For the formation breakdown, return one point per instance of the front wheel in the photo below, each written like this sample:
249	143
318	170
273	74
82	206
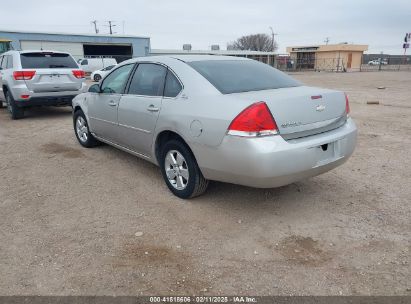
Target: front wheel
180	170
82	131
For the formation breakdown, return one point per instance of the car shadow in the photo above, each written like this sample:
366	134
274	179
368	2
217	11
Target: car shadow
47	112
302	194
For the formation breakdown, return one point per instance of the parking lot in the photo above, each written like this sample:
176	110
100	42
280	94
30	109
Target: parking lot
78	221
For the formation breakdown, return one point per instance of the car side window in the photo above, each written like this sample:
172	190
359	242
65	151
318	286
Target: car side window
1	59
9	62
173	86
148	80
116	81
84	62
4	62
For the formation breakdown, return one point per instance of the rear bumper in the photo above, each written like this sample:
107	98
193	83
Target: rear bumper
44	98
269	162
46	101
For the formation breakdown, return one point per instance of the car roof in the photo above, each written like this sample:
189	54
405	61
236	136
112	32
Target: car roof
187	58
42	51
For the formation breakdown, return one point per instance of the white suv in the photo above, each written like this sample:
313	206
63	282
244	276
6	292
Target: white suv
38	78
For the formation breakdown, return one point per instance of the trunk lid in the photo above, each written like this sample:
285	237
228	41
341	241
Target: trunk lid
302	111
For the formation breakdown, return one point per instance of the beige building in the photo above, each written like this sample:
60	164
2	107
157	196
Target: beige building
330	57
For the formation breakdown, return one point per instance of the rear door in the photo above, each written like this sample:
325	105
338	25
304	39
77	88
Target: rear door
139	108
5	73
102	107
54	72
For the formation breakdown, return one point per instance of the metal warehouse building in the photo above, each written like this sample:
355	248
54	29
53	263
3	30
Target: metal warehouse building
81	45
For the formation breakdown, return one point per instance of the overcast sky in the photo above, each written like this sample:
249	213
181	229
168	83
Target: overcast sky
171	23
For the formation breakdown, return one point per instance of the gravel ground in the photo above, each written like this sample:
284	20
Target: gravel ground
77	221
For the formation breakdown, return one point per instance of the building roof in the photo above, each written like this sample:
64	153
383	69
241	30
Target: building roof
72	34
328	48
209	52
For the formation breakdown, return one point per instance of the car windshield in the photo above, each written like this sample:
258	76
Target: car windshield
44	60
234	76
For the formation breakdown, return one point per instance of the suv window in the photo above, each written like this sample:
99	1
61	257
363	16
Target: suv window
84	62
115	82
44	60
4	62
234	76
148	80
9	62
173	86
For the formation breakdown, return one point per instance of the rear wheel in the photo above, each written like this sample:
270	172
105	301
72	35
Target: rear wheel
82	131
15	111
180	170
97	78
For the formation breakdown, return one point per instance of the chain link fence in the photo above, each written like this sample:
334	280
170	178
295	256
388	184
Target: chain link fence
367	63
385	63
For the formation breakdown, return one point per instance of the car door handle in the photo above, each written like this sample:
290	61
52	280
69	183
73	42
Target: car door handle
152	108
112	103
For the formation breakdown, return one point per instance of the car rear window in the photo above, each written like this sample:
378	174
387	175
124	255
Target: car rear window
43	60
234	76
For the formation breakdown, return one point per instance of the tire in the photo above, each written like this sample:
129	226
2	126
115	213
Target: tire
97	77
15	111
174	170
82	131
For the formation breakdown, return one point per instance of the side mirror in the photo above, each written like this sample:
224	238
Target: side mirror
95	88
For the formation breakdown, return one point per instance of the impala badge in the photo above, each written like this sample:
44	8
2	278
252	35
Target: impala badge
320	108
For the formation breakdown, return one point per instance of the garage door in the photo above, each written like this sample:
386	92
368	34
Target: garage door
75	49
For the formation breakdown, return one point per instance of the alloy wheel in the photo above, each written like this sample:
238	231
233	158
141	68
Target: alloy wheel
81	129
176	169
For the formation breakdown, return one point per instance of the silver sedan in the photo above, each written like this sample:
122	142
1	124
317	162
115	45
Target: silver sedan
220	118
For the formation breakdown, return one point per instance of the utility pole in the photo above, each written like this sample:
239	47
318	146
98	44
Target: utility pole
95	26
111	25
272	38
327	39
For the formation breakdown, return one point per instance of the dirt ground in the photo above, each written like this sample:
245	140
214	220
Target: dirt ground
71	218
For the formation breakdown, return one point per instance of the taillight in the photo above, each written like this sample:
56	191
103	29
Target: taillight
256	120
23	75
79	74
347	105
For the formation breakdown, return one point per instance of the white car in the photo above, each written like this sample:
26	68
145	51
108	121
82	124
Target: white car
377	62
89	65
99	74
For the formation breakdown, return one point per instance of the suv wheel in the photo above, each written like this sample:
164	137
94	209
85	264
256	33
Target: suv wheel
97	78
84	137
180	170
15	111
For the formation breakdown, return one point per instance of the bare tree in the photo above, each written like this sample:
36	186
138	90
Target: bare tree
255	42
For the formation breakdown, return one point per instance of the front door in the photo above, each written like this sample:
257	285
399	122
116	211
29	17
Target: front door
103	106
139	108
